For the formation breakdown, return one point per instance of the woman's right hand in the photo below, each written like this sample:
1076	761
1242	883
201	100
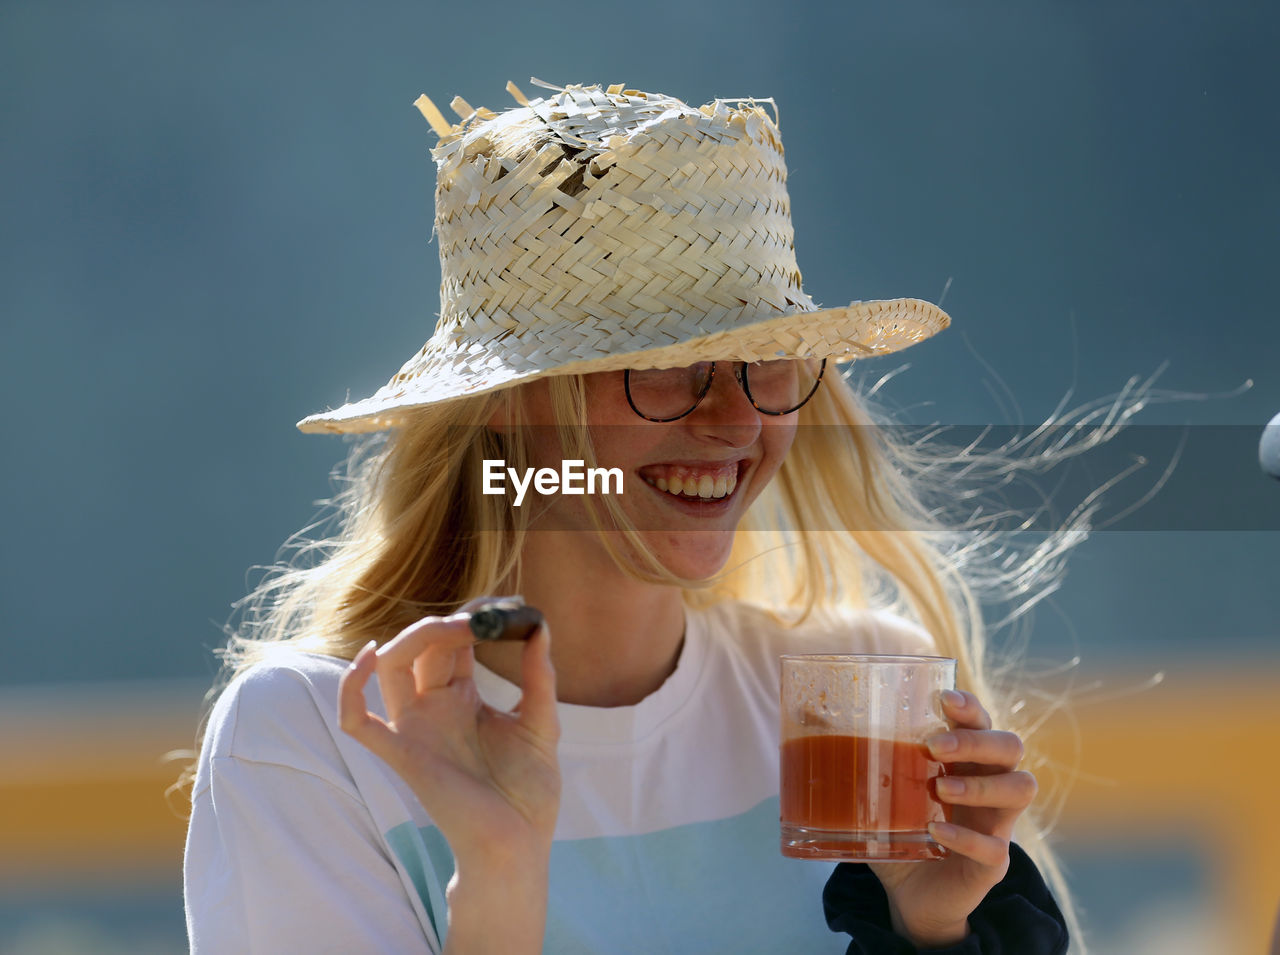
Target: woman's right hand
490	780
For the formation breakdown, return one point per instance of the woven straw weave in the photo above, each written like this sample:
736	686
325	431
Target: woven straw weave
604	229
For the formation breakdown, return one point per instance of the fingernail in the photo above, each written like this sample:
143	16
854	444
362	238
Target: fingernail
950	787
953	698
946	743
942	830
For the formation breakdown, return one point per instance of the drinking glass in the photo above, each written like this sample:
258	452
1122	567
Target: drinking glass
856	777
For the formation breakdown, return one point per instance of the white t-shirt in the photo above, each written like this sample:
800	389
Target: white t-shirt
667	839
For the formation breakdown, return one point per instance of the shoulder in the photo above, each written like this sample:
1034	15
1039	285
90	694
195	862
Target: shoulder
282	710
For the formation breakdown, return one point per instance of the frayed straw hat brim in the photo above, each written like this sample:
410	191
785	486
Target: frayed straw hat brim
858	330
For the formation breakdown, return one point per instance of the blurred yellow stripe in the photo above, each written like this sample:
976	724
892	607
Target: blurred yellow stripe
83	778
90	828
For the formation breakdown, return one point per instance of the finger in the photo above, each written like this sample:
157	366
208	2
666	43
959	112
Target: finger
439	665
963	709
464	658
1002	791
397	677
985	850
353	714
997	748
351	703
537	706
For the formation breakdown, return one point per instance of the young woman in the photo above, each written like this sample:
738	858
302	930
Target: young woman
619	292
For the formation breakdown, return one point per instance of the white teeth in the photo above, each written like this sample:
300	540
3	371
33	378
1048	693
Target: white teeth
703	486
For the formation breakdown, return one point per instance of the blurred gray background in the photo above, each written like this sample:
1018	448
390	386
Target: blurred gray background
216	220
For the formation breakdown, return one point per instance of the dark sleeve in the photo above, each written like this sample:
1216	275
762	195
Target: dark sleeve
1017	917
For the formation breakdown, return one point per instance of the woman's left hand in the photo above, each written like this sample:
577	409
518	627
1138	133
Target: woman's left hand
930	902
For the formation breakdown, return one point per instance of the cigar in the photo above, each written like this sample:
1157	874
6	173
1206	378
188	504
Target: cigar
505	620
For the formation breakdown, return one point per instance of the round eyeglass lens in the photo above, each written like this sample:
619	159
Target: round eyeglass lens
665	394
783	385
775	387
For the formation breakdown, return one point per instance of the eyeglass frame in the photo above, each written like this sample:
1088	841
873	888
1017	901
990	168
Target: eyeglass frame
739	372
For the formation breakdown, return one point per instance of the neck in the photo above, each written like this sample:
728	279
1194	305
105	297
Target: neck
614	640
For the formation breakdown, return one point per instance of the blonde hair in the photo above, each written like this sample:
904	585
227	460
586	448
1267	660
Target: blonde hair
844	524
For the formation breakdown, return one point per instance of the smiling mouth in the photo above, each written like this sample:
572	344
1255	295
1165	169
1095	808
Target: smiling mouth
695	482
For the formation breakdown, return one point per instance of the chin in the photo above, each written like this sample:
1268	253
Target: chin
694	555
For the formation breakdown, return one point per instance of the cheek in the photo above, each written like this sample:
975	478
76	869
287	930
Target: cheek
778	439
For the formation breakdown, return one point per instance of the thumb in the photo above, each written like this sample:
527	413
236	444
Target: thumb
537	706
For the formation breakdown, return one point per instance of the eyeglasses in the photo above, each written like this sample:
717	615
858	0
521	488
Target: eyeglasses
773	387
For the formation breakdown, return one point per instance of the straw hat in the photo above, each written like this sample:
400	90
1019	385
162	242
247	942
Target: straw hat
601	229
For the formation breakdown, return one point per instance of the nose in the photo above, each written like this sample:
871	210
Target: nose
726	414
